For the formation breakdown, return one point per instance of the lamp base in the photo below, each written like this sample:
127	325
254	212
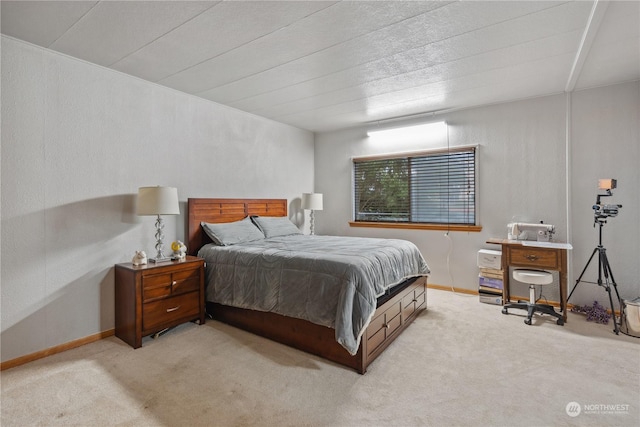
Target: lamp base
159	259
312	223
160	256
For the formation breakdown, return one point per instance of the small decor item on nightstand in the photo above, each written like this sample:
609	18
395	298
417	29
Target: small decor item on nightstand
179	250
140	258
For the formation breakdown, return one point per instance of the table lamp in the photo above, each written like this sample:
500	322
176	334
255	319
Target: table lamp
312	202
158	201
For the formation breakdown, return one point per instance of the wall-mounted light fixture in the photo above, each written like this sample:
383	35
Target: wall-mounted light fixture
425	132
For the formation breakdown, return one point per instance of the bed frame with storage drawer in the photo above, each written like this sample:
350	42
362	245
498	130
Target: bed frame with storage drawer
394	313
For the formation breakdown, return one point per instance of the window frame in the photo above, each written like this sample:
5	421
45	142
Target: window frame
476	227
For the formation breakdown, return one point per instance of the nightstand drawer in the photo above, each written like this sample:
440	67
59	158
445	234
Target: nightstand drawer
164	311
186	281
156	286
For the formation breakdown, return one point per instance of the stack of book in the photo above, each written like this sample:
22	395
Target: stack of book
490	286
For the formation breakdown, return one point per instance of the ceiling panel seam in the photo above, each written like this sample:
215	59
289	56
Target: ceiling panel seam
73	25
244	44
164	34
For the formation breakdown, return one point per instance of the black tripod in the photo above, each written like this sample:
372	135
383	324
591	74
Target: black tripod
603	269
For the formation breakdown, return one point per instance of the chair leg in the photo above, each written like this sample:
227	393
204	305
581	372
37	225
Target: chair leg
519	305
547	309
530	310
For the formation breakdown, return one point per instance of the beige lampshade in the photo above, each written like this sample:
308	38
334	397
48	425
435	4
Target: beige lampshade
312	201
158	201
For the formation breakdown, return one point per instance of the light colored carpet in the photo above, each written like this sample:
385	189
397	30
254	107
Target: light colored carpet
461	363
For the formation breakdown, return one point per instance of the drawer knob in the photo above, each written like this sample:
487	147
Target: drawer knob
532	257
386	325
174	283
169	310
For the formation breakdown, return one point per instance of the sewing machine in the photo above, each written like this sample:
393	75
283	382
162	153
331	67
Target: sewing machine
526	231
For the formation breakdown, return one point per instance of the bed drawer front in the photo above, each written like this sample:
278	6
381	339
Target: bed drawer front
413	301
383	326
382	320
169	310
391	318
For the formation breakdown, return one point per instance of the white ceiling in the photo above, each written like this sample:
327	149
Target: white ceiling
324	65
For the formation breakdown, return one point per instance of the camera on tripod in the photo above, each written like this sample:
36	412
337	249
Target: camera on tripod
603	211
605	275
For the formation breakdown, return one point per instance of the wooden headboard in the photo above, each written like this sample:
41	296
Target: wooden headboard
225	210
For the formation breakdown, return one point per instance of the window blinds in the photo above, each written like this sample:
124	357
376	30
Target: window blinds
430	187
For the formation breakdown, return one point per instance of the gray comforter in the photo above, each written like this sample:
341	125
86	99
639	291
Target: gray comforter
327	280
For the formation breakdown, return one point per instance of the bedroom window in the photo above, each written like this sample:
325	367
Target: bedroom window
427	188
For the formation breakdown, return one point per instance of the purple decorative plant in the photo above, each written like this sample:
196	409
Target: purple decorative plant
596	313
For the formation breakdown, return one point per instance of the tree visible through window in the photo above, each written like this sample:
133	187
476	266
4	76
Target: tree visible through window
435	187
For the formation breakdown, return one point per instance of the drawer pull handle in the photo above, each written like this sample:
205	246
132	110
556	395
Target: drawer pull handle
414	300
169	310
174	283
532	257
386	325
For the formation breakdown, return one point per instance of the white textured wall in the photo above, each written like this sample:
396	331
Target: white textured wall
77	142
606	144
522	175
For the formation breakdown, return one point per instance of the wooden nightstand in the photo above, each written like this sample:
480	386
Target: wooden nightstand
153	297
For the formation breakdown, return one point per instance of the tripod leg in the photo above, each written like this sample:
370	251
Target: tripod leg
607	272
582	274
613	313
